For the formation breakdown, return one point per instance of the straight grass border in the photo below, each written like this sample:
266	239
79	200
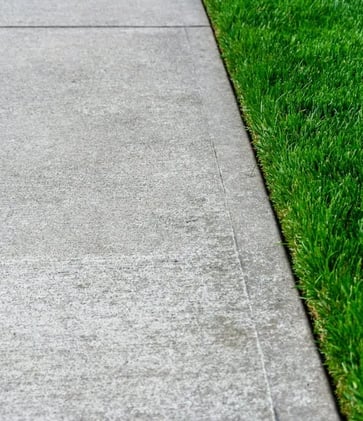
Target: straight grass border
230	26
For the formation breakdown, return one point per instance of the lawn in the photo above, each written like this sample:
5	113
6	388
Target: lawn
297	69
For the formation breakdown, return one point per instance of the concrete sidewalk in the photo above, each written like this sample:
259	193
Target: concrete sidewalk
142	276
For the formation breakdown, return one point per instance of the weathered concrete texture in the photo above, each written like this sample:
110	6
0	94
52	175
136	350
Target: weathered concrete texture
121	292
102	12
139	337
106	148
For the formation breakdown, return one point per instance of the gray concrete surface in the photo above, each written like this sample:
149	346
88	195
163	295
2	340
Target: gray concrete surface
141	271
102	12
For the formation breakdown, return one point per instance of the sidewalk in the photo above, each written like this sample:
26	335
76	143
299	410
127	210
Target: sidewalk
142	276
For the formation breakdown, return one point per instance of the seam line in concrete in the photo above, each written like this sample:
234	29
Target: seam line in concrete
101	26
234	237
240	262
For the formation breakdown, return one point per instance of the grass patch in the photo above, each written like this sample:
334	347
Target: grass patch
297	67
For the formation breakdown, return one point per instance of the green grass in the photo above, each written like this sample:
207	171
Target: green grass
297	67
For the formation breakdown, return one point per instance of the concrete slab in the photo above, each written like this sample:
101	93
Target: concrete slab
139	337
105	145
121	291
102	12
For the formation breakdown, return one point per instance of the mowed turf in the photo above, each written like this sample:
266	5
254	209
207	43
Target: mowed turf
297	67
